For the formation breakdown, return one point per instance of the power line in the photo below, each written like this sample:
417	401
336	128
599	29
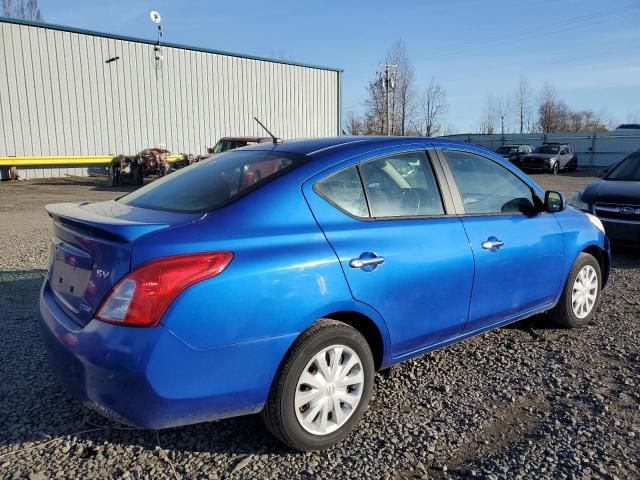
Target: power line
575	23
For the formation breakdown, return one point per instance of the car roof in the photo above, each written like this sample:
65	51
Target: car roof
516	145
316	146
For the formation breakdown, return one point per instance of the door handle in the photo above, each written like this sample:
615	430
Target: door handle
365	262
493	244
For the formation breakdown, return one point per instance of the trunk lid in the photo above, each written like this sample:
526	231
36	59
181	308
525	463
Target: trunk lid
91	249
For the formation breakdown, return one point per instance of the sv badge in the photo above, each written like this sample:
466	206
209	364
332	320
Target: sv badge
104	274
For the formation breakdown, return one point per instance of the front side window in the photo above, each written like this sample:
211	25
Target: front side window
548	149
212	183
507	150
401	185
488	188
344	190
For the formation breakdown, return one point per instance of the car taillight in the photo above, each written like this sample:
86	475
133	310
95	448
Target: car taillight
142	296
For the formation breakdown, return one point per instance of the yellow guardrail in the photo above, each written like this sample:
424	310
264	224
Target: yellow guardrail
54	161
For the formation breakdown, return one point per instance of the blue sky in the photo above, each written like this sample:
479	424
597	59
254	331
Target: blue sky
589	50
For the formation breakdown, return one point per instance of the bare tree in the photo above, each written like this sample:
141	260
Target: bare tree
633	117
375	117
22	9
587	121
354	125
488	120
402	98
553	114
434	107
450	130
523	104
503	108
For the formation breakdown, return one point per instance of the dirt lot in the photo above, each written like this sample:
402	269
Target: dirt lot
529	401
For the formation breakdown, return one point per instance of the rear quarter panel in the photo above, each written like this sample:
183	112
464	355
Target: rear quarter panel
284	275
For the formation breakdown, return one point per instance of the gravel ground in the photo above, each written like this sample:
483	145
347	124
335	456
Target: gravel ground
526	401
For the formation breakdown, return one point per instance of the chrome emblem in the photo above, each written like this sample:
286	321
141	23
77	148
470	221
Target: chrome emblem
626	210
103	274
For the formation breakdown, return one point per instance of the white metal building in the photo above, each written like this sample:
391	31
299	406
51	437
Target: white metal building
69	92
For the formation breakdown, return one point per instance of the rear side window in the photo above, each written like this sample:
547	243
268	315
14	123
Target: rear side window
213	183
344	190
402	185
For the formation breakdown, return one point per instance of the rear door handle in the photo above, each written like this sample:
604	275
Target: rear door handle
366	260
493	244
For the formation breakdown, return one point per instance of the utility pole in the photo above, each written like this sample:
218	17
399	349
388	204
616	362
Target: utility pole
389	83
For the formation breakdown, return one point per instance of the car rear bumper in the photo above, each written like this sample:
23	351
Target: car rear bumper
149	378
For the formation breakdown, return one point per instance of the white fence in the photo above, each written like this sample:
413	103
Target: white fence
597	149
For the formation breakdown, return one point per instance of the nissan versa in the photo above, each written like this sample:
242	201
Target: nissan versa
211	293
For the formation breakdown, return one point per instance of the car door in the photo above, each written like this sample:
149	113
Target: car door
571	155
518	250
401	247
563	157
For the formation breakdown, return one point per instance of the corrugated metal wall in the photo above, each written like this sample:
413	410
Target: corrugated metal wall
59	97
597	149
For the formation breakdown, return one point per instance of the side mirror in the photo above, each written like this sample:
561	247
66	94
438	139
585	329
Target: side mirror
210	150
554	202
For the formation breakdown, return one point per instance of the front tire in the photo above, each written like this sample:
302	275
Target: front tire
322	387
555	168
581	294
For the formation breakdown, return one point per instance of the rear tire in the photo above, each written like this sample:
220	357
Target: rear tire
556	168
581	294
340	396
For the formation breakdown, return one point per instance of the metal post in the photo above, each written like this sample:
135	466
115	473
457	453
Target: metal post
389	85
386	83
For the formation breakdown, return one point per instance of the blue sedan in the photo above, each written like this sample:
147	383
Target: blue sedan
215	291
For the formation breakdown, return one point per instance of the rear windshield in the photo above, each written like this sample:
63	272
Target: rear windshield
548	149
627	170
212	183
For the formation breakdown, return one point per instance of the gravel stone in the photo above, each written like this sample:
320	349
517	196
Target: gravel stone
526	401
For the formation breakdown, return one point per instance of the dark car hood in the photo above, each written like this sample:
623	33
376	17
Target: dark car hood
539	156
612	191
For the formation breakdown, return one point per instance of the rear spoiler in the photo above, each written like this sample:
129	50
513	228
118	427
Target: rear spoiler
104	220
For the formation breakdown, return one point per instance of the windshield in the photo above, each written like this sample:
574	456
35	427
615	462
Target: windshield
212	183
627	170
548	149
507	150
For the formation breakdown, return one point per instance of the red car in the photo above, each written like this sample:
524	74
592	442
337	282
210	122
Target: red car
229	143
258	170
